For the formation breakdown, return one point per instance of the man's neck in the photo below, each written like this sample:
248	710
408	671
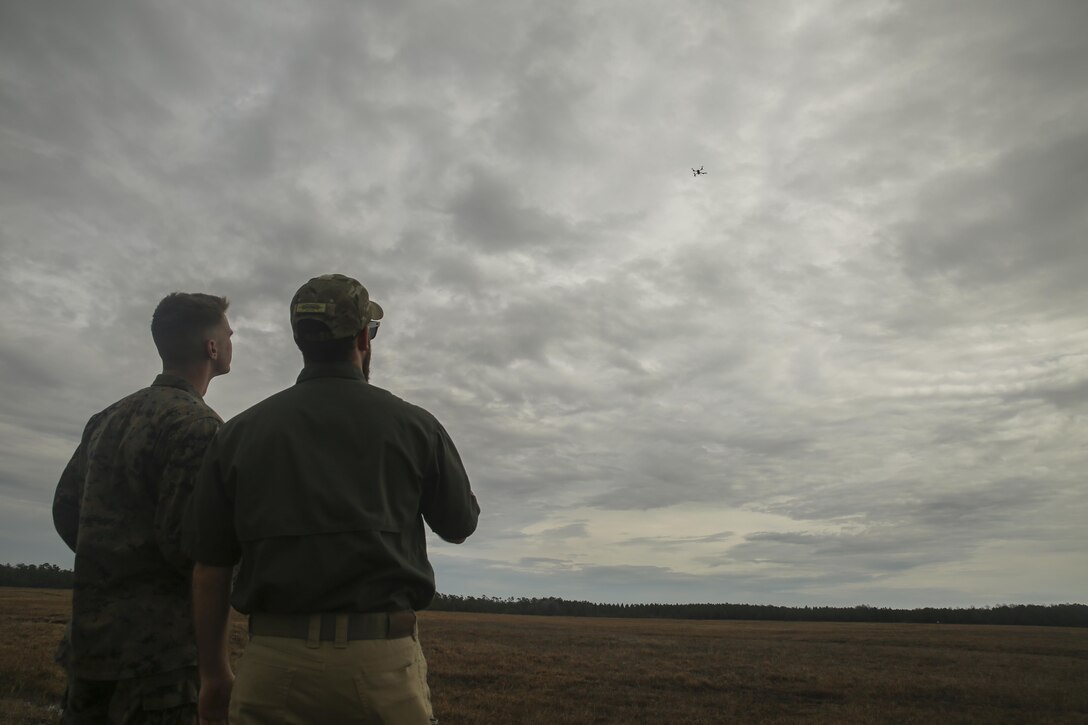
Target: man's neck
199	376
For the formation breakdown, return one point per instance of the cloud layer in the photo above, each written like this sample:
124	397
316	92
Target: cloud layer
848	365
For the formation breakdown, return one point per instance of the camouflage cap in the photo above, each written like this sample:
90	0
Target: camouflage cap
340	303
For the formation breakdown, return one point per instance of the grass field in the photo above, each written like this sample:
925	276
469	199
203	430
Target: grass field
557	670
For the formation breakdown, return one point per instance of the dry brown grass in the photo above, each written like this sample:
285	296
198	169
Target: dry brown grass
516	669
31	623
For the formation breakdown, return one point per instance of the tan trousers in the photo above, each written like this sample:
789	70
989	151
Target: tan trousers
283	681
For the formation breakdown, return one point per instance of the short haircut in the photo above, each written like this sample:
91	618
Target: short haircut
323	351
181	324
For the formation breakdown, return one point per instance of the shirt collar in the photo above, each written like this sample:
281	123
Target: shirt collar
330	370
173	381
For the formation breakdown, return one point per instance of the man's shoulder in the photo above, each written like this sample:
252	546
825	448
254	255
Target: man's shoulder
156	406
287	401
165	396
176	405
132	399
274	406
123	408
402	406
279	399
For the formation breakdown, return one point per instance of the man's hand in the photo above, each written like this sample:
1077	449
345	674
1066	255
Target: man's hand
215	698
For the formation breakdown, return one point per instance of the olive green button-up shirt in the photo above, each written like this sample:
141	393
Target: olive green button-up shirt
321	492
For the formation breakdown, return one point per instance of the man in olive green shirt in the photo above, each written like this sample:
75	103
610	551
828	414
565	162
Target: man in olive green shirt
119	505
321	492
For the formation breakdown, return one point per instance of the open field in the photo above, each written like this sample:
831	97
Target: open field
556	670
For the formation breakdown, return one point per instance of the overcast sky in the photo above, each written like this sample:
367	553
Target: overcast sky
848	365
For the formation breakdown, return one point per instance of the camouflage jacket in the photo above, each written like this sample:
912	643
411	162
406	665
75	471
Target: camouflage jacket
119	506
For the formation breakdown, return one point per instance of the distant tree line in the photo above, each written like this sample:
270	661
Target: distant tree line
1052	615
43	576
51	576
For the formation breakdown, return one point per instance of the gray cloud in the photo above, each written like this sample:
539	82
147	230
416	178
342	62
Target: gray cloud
674	541
561	532
488	214
859	340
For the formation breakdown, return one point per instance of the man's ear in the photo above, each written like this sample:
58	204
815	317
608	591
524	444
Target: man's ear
211	351
362	341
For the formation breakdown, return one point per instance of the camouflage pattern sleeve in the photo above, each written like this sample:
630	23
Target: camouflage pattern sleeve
185	450
69	493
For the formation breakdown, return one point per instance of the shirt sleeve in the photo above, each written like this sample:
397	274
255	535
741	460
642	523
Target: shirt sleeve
449	507
210	537
183	452
69	493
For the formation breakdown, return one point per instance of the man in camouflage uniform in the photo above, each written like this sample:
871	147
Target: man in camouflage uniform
322	492
129	649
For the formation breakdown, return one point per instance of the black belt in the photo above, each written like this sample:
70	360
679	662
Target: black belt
337	628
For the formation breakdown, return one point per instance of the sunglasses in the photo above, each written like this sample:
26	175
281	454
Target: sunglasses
372	328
